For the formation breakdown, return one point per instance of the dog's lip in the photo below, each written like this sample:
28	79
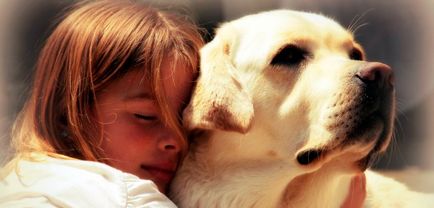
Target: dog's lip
367	161
309	156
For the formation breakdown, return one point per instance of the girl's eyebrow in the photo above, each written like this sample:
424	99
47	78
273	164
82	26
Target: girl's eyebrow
139	96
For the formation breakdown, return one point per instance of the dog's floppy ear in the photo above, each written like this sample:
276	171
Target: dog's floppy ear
219	100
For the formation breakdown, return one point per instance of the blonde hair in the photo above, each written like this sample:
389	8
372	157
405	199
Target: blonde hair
96	43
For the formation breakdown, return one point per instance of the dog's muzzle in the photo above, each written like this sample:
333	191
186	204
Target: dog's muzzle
375	102
362	113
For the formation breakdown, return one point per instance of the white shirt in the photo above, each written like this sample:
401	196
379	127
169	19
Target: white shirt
56	182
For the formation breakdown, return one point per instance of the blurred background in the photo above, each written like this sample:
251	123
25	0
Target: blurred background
397	32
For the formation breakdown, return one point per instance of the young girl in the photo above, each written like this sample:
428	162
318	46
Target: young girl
102	125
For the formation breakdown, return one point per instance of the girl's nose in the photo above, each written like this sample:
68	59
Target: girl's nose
170	142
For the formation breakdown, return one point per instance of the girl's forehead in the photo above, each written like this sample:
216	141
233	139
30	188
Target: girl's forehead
138	83
131	84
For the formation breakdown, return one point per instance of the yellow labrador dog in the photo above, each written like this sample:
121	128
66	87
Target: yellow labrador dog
286	111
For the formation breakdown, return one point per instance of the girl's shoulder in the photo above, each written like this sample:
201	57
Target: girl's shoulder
76	183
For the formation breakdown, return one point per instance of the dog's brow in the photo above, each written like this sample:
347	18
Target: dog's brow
301	42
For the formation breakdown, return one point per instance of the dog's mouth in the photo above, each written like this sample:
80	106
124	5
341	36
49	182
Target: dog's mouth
366	140
360	122
309	156
361	146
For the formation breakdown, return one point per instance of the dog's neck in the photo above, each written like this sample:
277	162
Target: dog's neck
214	184
322	188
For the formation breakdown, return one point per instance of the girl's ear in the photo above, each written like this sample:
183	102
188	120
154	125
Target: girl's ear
219	100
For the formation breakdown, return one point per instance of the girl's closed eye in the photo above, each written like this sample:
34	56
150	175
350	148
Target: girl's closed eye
143	117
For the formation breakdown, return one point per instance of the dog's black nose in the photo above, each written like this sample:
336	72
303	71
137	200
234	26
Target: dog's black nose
376	74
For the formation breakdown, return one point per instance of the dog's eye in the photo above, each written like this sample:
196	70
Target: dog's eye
356	54
291	56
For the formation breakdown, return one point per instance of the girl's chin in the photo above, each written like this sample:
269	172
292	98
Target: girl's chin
160	178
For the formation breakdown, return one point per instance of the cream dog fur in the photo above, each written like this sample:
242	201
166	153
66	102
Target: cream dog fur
286	110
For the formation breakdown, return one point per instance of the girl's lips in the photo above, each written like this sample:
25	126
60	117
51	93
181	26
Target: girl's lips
160	173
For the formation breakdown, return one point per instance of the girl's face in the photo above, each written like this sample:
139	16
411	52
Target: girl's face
135	138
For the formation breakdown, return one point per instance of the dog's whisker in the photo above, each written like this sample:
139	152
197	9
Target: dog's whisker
358	27
354	24
357	18
394	147
398	132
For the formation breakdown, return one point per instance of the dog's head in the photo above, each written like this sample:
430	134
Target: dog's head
296	87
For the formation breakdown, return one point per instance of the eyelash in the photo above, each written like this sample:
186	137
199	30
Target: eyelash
145	117
291	56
